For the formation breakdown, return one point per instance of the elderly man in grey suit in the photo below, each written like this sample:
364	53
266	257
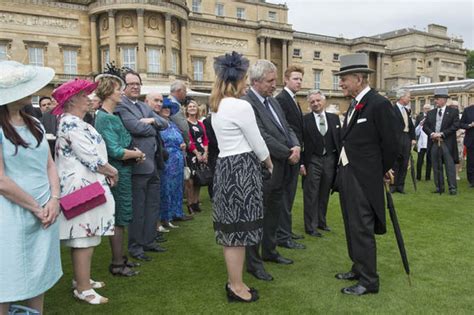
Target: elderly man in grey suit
178	96
284	150
144	125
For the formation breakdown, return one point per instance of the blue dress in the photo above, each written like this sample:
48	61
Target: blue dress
172	175
30	261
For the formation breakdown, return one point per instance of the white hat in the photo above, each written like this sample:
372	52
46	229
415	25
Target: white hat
18	80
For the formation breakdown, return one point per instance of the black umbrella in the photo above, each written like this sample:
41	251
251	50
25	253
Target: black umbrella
398	232
412	171
440	166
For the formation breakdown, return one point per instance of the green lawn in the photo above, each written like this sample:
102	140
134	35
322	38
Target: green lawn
190	276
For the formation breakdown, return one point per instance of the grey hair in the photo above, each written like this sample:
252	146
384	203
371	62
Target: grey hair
312	92
177	85
401	93
258	70
69	104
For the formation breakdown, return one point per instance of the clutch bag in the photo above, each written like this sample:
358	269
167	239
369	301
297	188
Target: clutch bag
82	200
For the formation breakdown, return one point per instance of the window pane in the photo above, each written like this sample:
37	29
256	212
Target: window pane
3	52
154	64
105	57
70	61
196	6
335	82
240	13
129	57
35	56
219	9
317	80
174	62
198	65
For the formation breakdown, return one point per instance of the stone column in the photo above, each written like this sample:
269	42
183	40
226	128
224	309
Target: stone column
378	84
268	53
112	39
262	47
436	67
141	41
290	52
284	54
413	68
184	48
94	40
168	50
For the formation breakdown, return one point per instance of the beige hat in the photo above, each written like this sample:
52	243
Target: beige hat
354	63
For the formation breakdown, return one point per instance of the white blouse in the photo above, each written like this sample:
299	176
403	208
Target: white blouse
236	129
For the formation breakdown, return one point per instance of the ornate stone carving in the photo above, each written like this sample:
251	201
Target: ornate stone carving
154	22
16	20
174	26
218	42
104	23
127	21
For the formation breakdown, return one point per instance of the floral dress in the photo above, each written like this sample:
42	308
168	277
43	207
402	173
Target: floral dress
80	150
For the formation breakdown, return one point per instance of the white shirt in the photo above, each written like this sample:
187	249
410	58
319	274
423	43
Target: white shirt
293	96
422	142
318	117
404	113
236	129
262	99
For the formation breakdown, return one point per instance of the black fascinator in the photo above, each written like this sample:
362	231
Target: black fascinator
112	71
231	67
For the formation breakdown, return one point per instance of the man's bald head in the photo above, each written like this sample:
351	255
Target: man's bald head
154	100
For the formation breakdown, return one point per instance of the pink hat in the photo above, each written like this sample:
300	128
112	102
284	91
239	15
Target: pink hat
67	90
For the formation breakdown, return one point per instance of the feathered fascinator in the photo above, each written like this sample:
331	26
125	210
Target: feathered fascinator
112	71
231	67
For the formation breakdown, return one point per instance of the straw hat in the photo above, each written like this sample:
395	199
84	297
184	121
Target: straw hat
354	63
18	80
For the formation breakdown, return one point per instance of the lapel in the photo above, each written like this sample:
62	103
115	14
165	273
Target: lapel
263	112
313	129
132	108
399	115
355	116
332	123
295	107
446	117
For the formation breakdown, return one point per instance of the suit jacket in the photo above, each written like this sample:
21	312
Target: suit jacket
292	112
50	123
466	119
275	138
419	118
371	149
449	126
314	139
401	123
144	135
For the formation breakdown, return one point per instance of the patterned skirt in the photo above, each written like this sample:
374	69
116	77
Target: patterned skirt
238	200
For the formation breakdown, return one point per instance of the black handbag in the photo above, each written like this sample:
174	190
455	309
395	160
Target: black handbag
202	175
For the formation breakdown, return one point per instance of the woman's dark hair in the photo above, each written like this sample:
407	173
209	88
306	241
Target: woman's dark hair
10	133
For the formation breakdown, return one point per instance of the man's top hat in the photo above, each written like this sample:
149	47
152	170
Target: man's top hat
441	93
354	63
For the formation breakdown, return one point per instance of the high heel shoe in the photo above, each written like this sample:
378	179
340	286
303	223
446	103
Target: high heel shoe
232	297
196	207
190	209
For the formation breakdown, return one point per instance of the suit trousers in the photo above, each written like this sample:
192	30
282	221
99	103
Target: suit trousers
291	184
440	155
359	222
419	164
273	204
146	208
317	185
401	163
470	164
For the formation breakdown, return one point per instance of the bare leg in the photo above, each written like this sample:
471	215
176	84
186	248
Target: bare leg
4	308
234	259
36	303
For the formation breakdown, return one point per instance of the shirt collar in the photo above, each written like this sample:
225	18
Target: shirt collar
260	98
290	92
323	113
362	94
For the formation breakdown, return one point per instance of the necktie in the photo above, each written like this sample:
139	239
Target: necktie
267	106
322	125
351	106
440	113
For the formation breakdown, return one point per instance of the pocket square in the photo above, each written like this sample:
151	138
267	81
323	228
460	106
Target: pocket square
361	120
337	126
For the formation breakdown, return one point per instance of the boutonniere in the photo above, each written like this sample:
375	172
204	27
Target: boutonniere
359	106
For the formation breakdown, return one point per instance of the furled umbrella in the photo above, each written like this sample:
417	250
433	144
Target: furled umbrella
412	171
440	167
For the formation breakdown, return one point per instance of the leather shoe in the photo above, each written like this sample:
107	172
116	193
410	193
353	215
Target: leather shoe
314	233
142	257
160	238
261	275
157	249
325	228
347	276
279	260
297	236
358	290
438	192
290	244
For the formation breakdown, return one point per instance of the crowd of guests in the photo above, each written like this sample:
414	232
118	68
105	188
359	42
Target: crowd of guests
102	133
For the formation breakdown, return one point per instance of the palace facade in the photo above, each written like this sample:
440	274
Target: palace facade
166	40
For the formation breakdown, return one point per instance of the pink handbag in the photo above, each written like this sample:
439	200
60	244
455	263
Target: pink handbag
82	200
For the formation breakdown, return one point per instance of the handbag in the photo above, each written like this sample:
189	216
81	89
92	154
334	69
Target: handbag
82	200
187	173
202	175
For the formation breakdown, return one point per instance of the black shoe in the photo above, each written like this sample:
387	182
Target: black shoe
196	207
314	233
347	276
290	244
160	238
251	290
324	228
142	257
232	297
358	290
157	249
401	192
279	260
261	275
122	270
297	236
437	191
130	264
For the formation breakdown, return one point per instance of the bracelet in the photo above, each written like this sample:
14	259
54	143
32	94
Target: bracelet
55	197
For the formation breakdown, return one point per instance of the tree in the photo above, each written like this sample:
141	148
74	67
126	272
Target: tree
470	64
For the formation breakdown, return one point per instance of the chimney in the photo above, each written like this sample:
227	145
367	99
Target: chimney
436	29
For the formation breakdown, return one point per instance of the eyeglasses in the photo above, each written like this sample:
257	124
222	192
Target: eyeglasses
134	84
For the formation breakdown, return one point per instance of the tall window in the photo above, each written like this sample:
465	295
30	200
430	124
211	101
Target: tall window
335	82
3	52
198	69
241	13
174	62
272	16
105	56
70	61
154	60
317	79
129	57
196	6
219	9
35	56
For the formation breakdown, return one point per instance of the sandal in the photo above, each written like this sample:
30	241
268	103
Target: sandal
130	264
94	284
88	294
122	270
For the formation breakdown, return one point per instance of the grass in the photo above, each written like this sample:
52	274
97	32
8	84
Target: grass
189	278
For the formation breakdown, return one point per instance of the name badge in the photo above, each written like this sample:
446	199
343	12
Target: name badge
361	120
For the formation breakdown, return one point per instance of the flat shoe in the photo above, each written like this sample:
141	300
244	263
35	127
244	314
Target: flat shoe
94	284
84	295
121	270
162	229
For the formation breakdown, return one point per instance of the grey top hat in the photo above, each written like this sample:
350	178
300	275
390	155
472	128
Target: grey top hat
441	92
18	80
354	63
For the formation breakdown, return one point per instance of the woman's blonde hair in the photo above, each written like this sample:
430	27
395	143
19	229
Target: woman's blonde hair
197	106
222	89
106	87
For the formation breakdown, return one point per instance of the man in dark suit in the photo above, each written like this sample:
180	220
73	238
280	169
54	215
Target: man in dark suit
422	144
369	148
143	124
441	125
407	139
287	100
467	123
322	132
284	151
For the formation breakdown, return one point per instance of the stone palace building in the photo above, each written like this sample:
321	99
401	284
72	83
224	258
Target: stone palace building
166	40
